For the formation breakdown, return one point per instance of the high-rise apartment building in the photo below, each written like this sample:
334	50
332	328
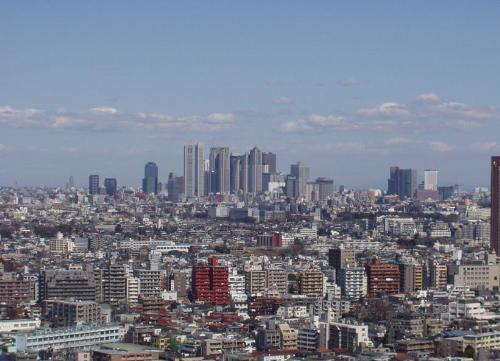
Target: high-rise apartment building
210	283
194	170
352	282
255	171
150	180
382	278
431	180
93	184
341	258
76	284
495	205
411	277
311	283
219	170
110	185
402	182
111	283
301	174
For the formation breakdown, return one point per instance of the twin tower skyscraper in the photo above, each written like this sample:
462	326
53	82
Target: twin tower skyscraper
224	173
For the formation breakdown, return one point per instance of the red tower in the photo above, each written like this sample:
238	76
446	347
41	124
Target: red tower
210	283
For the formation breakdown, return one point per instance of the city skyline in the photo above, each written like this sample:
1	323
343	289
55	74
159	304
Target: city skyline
383	88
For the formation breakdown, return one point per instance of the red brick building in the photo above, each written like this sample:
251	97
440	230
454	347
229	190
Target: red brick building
210	283
382	277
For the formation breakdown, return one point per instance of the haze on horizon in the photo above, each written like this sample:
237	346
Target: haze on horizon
348	88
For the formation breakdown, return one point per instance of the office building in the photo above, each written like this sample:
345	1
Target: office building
325	188
269	162
194	170
210	283
402	182
301	174
291	187
219	170
110	186
93	184
239	174
495	205
60	284
431	180
68	338
173	188
255	171
150	180
383	278
65	313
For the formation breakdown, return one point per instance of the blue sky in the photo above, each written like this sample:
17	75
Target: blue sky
349	88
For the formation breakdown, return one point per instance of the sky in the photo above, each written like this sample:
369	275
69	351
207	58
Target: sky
349	88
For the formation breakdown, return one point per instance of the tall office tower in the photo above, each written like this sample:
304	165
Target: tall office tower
325	188
431	180
111	185
210	283
94	184
269	162
150	180
402	182
219	170
173	188
255	171
239	173
194	170
71	182
495	205
301	174
382	278
291	187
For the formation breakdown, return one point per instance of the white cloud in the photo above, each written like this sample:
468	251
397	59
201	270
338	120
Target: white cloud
326	120
441	147
484	147
388	109
283	100
295	126
110	119
398	141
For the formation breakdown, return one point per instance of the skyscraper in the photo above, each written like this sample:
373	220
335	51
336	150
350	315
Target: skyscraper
93	184
402	182
325	188
173	188
255	171
194	171
150	180
239	173
431	179
301	174
269	162
111	185
219	170
495	205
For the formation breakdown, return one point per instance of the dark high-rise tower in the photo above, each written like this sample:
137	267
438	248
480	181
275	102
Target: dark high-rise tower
150	180
219	170
255	171
402	182
110	184
495	205
194	170
94	184
269	162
